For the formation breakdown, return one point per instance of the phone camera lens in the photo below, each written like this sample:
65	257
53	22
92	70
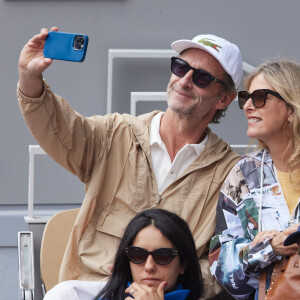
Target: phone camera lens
78	42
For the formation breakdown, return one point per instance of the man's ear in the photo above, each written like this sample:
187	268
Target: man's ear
225	100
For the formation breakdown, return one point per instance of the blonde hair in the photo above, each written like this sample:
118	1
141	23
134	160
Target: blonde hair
284	75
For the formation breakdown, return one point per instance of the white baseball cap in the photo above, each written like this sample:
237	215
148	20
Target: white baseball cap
228	54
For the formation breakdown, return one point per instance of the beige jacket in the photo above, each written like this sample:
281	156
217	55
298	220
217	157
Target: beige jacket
111	155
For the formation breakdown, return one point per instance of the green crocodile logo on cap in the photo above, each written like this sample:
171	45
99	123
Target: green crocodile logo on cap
206	42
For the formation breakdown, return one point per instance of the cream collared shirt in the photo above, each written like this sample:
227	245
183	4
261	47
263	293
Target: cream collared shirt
165	171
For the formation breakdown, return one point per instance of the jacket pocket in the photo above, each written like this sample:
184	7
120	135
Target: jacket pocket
114	223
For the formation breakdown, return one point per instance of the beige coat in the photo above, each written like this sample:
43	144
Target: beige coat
111	155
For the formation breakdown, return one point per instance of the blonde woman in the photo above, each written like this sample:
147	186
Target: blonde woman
258	204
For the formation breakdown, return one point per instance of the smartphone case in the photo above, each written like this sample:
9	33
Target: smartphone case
60	45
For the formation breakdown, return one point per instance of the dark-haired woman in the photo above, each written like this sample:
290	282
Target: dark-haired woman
156	259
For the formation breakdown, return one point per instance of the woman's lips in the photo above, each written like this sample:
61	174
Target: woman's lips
252	120
150	281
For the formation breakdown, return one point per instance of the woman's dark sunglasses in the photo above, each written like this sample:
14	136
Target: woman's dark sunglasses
258	97
161	256
201	78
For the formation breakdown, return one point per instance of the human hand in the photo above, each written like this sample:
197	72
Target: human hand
277	242
261	236
31	58
145	292
32	64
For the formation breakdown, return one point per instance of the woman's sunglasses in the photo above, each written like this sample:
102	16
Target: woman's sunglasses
161	256
201	78
258	97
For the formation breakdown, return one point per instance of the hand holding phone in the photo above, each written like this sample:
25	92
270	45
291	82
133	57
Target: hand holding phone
66	46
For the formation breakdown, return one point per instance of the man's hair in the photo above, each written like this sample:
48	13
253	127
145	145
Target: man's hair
283	75
177	231
228	87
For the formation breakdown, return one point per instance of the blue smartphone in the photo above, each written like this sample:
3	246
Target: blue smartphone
66	46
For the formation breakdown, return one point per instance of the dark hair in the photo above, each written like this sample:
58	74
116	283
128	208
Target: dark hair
229	87
177	231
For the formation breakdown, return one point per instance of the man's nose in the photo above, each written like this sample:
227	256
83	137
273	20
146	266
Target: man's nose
187	79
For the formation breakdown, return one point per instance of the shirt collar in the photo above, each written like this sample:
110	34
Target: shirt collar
154	131
156	139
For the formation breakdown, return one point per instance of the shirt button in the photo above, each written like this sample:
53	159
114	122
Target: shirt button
174	174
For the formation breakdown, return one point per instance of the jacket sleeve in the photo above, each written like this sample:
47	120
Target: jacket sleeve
233	261
69	138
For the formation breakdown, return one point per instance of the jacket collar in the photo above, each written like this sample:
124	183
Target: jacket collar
258	155
214	150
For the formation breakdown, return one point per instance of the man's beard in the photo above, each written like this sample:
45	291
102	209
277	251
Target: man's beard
194	110
181	109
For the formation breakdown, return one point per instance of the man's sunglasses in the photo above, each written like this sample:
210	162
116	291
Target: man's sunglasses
201	78
161	256
258	97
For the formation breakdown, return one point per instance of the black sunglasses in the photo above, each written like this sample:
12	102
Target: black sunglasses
161	256
201	78
258	97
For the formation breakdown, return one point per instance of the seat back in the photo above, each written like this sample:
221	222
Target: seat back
53	245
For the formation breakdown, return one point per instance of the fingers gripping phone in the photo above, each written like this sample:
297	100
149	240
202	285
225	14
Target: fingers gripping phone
66	46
